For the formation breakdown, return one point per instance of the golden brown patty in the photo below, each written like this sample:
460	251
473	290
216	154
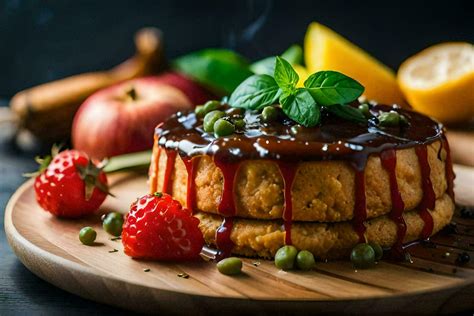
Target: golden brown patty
326	241
322	190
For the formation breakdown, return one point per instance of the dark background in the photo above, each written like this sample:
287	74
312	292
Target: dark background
46	40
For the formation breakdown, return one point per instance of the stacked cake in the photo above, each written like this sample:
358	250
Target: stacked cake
323	188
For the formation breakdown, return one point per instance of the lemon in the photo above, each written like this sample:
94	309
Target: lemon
324	49
439	81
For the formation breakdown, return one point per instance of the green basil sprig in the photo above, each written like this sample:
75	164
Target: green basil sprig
329	89
255	93
332	87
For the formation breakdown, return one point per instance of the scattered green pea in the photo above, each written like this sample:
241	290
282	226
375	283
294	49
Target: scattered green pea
305	260
230	266
199	110
377	249
391	118
223	128
365	109
269	114
363	256
113	223
87	235
210	119
285	257
239	123
211	106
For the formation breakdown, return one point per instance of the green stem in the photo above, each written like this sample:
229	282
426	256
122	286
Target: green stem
138	160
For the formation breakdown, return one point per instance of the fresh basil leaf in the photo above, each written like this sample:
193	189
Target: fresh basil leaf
347	112
301	107
255	93
285	76
332	87
220	70
294	55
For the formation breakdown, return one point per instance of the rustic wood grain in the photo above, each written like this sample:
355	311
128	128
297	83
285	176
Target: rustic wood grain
50	248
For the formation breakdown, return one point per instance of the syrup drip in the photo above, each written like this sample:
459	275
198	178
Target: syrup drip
229	170
288	172
226	207
449	169
191	164
170	160
154	168
360	210
429	198
223	241
388	159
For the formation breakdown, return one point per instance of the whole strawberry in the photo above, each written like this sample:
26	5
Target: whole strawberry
157	227
69	184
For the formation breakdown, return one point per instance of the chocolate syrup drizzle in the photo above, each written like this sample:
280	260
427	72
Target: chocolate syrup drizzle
287	144
388	159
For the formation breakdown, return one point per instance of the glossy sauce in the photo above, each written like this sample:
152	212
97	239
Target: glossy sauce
334	139
429	198
170	160
223	241
191	164
388	159
226	206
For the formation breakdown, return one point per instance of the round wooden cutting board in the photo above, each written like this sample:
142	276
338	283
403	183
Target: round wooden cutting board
50	248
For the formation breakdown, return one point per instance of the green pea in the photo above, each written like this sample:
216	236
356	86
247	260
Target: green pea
269	114
230	266
113	223
199	110
285	257
239	123
391	118
235	112
365	109
210	119
211	106
223	128
87	235
363	256
404	120
377	249
305	260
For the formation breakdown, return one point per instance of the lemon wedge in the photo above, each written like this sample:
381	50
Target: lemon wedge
439	81
302	73
324	49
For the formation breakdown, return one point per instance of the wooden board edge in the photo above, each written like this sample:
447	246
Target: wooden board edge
151	300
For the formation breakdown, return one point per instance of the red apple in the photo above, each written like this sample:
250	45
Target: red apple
121	119
196	93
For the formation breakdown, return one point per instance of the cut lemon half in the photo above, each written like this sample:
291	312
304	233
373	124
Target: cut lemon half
324	49
439	81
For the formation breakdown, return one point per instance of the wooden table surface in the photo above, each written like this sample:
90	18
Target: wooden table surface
20	290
